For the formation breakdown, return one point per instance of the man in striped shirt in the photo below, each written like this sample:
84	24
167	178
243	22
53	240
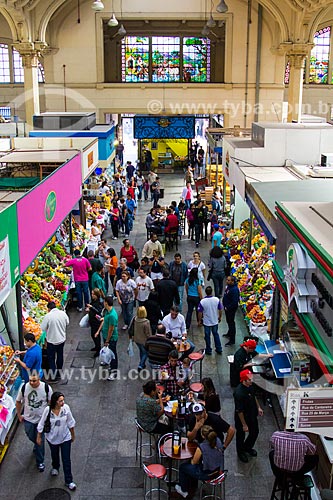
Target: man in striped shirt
292	452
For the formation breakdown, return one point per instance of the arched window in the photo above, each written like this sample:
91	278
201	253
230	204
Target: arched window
11	68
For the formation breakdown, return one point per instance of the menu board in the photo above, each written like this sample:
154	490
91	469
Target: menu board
310	410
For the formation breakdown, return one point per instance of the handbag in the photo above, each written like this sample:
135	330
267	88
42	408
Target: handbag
84	322
130	350
47	423
209	276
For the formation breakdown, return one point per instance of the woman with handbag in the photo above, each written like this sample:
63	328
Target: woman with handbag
111	267
217	265
139	331
193	287
129	253
94	310
58	424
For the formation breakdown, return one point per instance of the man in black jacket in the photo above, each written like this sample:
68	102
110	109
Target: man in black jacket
230	303
199	217
167	292
159	347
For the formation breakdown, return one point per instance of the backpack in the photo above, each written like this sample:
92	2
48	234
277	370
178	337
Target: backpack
47	390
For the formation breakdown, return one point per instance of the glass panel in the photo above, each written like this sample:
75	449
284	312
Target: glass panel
165	58
287	74
4	64
318	71
135	59
18	67
41	73
196	59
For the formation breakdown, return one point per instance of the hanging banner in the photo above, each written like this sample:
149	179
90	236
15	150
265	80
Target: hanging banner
5	280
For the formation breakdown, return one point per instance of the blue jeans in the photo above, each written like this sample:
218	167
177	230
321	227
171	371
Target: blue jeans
217	340
191	471
218	278
143	355
127	310
140	188
81	287
65	449
181	296
187	204
55	356
31	432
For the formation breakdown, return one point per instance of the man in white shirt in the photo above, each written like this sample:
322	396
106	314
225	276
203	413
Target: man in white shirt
33	397
144	285
151	245
174	323
54	324
210	315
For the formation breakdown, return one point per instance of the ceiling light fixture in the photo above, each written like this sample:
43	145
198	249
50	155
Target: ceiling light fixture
205	31
97	5
222	7
122	31
211	23
113	21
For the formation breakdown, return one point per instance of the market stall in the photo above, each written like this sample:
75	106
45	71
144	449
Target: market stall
303	272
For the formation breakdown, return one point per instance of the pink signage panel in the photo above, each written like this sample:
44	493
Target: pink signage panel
41	211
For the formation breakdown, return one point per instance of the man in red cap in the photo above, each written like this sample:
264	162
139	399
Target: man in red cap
247	410
244	355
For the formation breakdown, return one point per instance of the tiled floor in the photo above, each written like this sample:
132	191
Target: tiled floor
103	455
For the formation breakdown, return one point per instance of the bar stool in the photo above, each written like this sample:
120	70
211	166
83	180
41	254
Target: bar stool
171	239
196	387
162	455
301	488
153	471
282	485
198	356
139	442
218	483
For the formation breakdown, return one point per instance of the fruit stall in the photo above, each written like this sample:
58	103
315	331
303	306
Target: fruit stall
253	272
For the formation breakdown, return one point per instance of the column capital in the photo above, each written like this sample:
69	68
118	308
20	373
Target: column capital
30	51
296	51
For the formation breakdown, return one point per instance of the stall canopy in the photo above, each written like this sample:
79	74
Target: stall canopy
9	256
262	197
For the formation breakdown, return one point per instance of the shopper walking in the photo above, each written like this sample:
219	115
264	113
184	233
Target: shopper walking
187	195
114	220
95	309
247	410
144	285
111	267
55	323
167	292
126	291
230	303
140	332
155	188
129	253
178	273
33	397
81	267
61	436
151	245
190	221
199	217
98	281
217	265
154	313
109	329
210	315
193	287
197	262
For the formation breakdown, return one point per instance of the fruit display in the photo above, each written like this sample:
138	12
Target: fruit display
252	270
47	279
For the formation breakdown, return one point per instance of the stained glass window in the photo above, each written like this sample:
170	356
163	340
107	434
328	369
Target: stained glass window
135	59
287	73
318	70
4	64
196	59
165	58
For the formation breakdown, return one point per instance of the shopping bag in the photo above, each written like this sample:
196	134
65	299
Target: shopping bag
130	350
84	322
106	355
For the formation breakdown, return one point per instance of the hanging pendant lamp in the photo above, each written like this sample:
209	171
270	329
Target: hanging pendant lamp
97	5
222	7
113	21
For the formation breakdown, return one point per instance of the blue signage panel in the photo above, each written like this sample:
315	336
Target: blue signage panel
164	127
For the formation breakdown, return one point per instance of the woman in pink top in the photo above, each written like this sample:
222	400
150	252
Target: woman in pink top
81	266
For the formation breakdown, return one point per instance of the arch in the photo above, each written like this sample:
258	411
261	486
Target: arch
46	18
317	20
279	17
11	23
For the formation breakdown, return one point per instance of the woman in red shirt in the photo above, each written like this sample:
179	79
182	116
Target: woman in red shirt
129	253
